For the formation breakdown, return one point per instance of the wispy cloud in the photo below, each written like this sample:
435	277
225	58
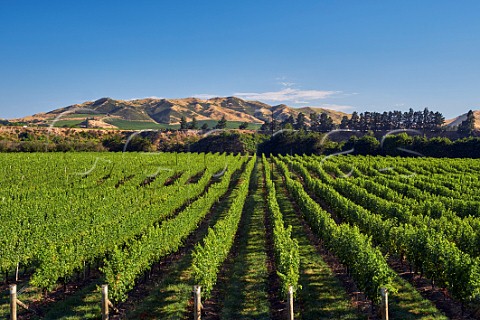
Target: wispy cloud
287	95
287	84
337	107
300	102
206	96
151	97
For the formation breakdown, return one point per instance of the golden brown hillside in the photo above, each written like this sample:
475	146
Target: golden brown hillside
170	111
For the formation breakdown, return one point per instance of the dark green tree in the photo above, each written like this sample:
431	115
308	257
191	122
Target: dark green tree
366	145
222	123
344	123
204	126
266	126
275	126
314	122
140	144
194	123
183	123
354	121
325	123
439	120
113	143
300	125
290	120
409	119
468	125
243	126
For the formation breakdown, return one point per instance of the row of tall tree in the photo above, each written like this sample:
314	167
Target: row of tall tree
420	120
375	121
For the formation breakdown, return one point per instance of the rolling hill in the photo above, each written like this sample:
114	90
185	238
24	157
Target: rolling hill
155	113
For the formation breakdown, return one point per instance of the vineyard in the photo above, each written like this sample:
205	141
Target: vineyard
253	232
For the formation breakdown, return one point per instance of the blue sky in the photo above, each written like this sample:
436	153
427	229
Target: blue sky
342	54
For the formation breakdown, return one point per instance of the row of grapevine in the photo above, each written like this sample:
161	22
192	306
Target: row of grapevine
55	208
429	252
287	257
52	209
451	216
125	264
209	256
378	198
366	264
457	179
459	204
448	186
59	226
465	232
60	258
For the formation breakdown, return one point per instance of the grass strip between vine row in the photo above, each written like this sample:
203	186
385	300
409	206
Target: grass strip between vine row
209	256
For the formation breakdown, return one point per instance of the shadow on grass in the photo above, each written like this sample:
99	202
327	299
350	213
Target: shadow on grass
407	303
170	297
84	304
322	295
242	292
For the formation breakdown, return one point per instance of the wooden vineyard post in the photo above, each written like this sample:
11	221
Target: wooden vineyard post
106	303
290	303
105	315
13	302
197	303
384	304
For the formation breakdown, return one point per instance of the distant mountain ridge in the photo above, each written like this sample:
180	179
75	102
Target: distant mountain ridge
170	111
106	111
